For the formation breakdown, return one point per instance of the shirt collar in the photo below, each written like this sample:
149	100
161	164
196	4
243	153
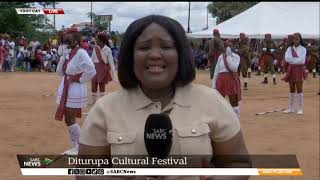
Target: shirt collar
139	99
297	47
104	47
180	98
182	95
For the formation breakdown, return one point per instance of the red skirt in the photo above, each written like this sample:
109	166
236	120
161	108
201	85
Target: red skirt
103	73
216	53
295	73
260	62
228	84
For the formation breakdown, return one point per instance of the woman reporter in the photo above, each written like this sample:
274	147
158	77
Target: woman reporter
156	71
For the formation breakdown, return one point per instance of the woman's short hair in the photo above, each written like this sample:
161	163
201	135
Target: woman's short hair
186	70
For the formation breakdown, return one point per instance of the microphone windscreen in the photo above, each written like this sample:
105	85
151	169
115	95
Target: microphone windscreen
158	135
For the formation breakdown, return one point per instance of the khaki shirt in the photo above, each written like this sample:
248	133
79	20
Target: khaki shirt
267	45
199	115
214	43
243	50
314	51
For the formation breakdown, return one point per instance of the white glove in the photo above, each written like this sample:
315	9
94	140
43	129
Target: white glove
115	76
264	49
66	52
62	59
271	50
229	51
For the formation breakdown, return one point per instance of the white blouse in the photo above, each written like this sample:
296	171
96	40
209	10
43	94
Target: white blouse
107	58
233	61
301	52
80	63
106	55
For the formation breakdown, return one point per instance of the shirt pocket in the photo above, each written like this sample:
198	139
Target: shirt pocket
122	143
194	139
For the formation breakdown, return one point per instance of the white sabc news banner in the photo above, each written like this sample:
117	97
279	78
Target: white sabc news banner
161	171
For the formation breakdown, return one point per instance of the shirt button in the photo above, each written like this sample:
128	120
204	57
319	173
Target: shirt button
119	138
193	131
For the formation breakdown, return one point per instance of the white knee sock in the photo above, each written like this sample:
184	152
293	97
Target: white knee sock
102	94
94	97
249	70
300	102
291	101
74	131
236	109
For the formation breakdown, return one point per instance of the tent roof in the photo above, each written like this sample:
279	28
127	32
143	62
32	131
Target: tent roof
278	18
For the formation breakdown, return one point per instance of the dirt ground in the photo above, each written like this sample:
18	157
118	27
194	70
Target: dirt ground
27	124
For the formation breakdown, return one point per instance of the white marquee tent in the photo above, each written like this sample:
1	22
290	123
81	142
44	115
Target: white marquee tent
278	18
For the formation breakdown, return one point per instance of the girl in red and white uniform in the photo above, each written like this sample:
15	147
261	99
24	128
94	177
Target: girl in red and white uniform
76	68
295	56
103	61
226	79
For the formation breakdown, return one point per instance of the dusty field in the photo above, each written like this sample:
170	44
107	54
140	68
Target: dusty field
27	124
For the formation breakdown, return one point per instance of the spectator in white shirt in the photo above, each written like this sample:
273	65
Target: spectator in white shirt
54	59
34	44
22	54
10	57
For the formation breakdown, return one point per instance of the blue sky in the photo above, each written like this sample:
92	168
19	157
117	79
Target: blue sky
126	12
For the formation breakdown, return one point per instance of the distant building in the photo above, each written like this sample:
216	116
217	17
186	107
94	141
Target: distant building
83	26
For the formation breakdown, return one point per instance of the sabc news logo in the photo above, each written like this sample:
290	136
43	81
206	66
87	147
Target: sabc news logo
37	162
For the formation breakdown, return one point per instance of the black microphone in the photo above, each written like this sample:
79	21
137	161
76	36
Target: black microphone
158	135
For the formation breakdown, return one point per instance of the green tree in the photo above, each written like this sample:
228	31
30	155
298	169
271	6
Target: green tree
93	15
13	23
47	3
101	25
226	10
97	22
